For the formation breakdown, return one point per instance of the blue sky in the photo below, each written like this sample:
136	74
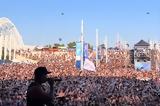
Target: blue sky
40	21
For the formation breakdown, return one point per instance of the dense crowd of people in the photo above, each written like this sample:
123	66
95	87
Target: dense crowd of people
113	83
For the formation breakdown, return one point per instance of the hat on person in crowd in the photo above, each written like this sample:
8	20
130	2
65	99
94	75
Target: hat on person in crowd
41	71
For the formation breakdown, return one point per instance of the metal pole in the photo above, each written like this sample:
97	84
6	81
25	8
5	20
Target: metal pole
10	38
82	42
106	46
96	47
0	46
5	47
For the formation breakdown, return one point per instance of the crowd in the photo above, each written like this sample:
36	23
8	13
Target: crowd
113	83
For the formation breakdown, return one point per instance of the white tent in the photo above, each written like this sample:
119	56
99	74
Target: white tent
10	39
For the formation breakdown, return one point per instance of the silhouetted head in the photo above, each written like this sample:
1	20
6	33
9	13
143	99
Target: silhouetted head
40	74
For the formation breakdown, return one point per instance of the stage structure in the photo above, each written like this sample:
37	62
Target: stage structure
142	56
10	40
81	50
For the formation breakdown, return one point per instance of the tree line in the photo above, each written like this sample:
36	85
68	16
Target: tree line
70	45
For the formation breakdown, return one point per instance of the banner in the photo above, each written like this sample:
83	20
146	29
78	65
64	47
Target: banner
85	50
78	54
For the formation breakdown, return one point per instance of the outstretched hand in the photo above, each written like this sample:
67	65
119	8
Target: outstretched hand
61	94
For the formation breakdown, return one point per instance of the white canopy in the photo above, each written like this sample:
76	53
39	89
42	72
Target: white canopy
10	39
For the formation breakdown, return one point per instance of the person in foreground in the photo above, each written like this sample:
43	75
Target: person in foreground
36	95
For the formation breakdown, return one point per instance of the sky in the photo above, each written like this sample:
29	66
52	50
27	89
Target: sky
42	22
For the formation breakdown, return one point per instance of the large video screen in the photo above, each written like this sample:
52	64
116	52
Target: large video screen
142	59
146	66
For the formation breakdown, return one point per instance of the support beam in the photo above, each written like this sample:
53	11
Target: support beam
82	42
5	47
10	52
106	46
1	39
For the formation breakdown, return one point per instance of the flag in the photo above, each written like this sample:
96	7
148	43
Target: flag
89	65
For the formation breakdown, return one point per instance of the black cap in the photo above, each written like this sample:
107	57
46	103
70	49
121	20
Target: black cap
41	71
